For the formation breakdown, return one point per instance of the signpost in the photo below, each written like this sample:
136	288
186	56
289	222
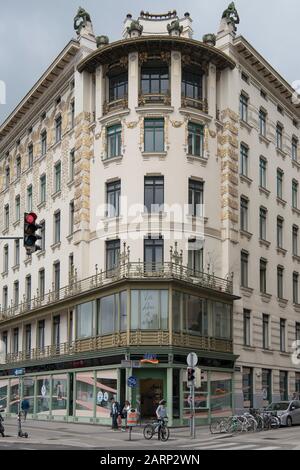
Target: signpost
132	382
192	361
19	373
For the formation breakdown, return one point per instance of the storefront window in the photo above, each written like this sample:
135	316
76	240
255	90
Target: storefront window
85	394
84	317
149	309
195	315
106	390
222	320
221	394
14	396
59	395
267	386
43	395
3	393
201	398
248	387
28	392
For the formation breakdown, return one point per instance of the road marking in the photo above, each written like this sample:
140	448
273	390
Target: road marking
212	440
239	447
214	446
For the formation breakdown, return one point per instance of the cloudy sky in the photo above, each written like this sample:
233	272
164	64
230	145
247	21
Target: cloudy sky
33	32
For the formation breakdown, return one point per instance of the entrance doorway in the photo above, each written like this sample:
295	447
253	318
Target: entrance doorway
151	391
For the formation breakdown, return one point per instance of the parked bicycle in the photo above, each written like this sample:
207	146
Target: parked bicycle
2	431
159	427
252	421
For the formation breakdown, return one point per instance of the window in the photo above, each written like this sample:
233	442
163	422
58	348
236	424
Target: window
154	80
244	268
72	113
154	135
57	227
283	385
17	208
279	136
112	313
244	100
295	194
280	223
263	223
248	387
280	183
263	172
57	177
262	122
5	259
71	267
153	253
296	288
28	339
15	340
295	240
56	276
154	194
195	256
149	310
195	140
84	320
263	275
267	385
42	189
263	94
41	335
44	142
280	109
280	271
295	149
192	85
30	155
28	290
71	217
56	331
244	154
18	167
72	165
29	198
247	328
244	214
5	297
112	254
196	198
58	129
245	77
113	194
17	252
41	283
118	86
266	331
4	337
6	216
114	141
297	331
7	176
43	235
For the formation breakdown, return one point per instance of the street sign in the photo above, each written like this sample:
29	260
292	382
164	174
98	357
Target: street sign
126	363
192	359
19	372
132	382
136	364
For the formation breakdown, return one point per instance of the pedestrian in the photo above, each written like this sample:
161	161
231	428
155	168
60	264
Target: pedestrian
25	405
161	414
125	410
114	413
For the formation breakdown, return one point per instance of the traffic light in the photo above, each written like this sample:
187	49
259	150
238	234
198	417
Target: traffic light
30	237
190	374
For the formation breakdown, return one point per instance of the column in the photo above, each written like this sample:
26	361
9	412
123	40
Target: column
133	80
175	79
212	90
170	395
100	92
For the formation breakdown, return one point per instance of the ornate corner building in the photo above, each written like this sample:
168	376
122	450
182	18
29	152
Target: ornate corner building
164	173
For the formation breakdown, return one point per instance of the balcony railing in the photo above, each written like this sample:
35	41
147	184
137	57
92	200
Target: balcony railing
155	98
135	338
201	105
115	105
126	269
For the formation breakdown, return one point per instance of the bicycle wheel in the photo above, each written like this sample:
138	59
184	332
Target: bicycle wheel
164	433
215	427
148	432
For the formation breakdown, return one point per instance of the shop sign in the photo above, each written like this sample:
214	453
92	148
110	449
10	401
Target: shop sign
149	359
19	372
132	382
99	397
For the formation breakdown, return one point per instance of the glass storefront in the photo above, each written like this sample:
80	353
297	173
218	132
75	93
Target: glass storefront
85	394
106	389
59	404
220	394
14	395
43	395
3	393
28	392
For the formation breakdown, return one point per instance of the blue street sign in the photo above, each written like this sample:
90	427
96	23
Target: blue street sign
132	382
19	372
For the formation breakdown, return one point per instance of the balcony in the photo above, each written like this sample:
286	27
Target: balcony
116	105
200	105
121	340
155	98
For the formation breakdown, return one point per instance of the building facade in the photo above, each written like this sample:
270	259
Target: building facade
164	174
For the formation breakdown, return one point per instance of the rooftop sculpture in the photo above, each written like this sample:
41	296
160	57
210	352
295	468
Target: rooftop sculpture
231	15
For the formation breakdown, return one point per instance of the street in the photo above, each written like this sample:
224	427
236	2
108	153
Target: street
63	436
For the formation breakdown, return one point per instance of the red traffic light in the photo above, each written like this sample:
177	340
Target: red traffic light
30	218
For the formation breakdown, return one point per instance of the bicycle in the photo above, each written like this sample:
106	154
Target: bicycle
2	430
159	427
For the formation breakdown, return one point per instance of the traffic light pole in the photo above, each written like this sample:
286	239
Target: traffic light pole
192	407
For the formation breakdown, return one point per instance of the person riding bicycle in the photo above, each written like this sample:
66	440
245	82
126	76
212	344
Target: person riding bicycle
161	414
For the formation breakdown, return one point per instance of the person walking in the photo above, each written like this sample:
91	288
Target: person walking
25	405
115	412
125	410
161	414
